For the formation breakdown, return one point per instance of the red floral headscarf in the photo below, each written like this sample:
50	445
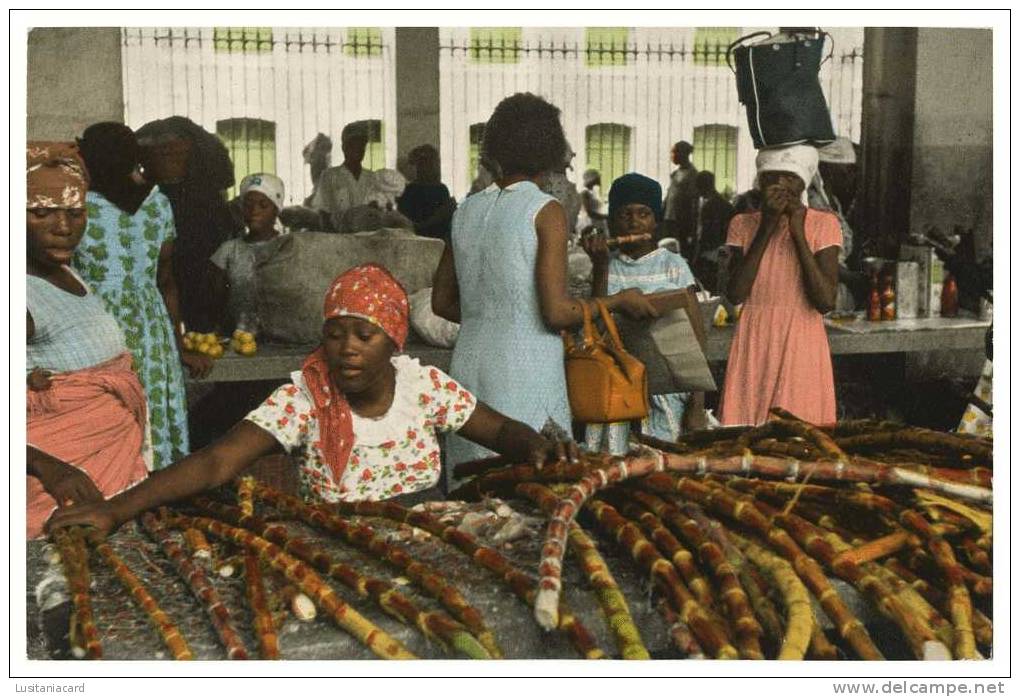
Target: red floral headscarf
371	293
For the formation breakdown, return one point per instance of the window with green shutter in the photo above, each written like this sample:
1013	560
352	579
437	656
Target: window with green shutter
710	44
243	39
363	42
715	150
475	134
607	149
606	46
495	45
375	153
251	144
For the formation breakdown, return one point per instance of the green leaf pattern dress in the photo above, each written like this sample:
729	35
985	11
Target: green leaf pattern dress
118	256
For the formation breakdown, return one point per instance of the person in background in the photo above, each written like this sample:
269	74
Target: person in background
262	198
348	185
426	201
680	209
635	208
564	190
317	155
363	420
203	220
592	214
86	429
784	262
127	256
714	213
504	277
834	188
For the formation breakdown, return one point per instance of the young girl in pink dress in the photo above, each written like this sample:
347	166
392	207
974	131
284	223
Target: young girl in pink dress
784	271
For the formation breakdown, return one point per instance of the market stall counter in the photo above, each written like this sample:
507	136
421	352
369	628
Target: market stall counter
856	336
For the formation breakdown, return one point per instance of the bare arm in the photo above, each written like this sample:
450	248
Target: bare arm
514	440
210	467
64	482
820	271
198	364
445	292
559	309
744	268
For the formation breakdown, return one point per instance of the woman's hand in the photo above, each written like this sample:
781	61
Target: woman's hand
101	516
595	247
39	380
633	303
198	364
797	213
546	450
67	484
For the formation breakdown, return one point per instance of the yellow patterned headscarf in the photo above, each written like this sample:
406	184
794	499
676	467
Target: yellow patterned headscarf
56	175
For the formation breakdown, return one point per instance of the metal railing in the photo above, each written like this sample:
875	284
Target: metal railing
658	92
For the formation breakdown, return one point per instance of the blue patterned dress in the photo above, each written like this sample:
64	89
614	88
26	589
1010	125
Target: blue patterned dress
656	271
118	257
505	355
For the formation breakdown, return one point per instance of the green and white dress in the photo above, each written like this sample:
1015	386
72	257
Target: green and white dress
118	257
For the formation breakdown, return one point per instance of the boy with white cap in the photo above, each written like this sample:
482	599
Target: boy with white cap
261	201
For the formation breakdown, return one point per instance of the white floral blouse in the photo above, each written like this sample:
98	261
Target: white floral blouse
397	453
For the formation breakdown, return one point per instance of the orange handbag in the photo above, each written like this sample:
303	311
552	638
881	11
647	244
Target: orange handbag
604	382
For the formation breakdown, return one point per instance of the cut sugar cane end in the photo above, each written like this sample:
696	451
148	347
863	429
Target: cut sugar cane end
547	612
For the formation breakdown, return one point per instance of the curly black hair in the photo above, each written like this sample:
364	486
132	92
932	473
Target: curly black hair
524	136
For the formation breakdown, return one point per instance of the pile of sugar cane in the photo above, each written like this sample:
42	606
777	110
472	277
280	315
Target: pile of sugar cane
738	531
738	528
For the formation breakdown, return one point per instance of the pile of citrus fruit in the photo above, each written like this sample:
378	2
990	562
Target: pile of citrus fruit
243	343
209	344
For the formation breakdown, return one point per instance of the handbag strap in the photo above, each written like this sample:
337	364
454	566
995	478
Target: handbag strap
736	44
589	326
610	323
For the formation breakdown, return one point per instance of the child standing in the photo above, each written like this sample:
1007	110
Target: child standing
261	200
634	209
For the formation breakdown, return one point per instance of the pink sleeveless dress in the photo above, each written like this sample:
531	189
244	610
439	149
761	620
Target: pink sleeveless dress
780	353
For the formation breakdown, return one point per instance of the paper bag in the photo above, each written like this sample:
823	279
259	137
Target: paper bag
673	358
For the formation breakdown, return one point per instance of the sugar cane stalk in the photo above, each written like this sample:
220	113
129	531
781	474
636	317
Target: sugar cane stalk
246	496
434	625
199	586
800	620
522	585
679	632
611	600
729	506
198	545
269	645
748	630
168	631
346	617
74	558
428	578
661	572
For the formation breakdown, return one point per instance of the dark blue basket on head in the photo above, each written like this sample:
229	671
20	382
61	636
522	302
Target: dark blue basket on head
777	82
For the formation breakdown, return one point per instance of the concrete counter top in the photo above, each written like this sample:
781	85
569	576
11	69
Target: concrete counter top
277	361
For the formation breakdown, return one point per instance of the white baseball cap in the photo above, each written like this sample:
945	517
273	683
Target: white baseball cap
265	183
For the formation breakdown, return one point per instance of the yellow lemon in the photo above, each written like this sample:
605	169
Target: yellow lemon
211	338
247	348
247	338
235	345
237	333
215	351
187	343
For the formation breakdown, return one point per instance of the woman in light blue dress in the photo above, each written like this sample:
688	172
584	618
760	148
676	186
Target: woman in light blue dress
504	277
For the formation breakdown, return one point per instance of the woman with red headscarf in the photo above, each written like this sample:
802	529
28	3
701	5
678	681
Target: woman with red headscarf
364	420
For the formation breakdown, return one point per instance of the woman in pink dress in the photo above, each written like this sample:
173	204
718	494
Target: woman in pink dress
784	270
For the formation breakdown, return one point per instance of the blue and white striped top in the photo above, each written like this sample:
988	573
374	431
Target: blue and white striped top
71	332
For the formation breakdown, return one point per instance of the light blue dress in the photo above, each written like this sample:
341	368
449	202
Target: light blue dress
659	270
505	355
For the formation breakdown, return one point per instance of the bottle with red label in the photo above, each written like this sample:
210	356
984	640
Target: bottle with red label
874	301
950	297
888	298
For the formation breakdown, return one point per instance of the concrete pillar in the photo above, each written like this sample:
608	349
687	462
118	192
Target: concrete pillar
887	124
74	79
952	150
417	75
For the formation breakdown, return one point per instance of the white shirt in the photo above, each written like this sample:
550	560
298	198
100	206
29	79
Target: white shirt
339	190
